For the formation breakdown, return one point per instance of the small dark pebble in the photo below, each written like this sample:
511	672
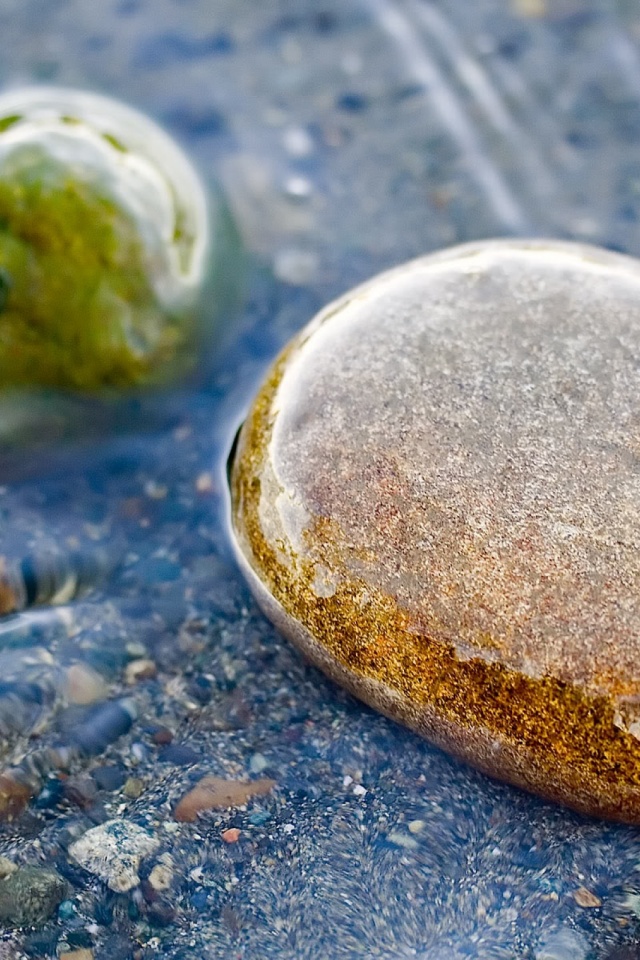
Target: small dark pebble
199	899
625	952
179	754
109	777
73	874
80	790
50	795
161	736
103	725
79	939
103	913
200	689
161	913
352	102
42	943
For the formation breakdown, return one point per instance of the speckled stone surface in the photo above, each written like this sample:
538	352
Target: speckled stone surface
436	496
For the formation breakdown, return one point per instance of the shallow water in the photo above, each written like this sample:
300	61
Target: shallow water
346	137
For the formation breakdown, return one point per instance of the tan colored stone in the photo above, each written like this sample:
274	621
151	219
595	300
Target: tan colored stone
586	899
85	685
436	495
138	670
216	793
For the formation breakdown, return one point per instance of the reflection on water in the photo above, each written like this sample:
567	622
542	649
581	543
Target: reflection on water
347	137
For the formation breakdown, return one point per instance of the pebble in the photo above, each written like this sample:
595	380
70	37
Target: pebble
138	670
113	851
435	496
84	685
215	793
30	895
123	243
586	898
161	876
232	835
133	788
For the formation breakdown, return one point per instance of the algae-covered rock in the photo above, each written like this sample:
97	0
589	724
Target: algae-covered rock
30	895
104	245
436	495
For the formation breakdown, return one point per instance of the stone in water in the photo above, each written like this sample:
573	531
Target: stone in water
105	245
436	496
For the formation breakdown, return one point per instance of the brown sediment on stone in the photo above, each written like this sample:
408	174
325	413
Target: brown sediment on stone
470	563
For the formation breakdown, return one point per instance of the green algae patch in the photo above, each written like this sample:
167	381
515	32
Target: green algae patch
77	310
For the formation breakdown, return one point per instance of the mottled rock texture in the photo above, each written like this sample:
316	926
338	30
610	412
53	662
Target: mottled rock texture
436	495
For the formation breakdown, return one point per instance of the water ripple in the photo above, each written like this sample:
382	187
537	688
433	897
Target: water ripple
423	69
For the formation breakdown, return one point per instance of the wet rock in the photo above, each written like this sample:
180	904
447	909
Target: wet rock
105	244
29	896
216	793
435	495
113	851
109	777
84	685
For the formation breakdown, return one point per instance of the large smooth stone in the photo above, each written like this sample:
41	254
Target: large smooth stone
105	245
436	496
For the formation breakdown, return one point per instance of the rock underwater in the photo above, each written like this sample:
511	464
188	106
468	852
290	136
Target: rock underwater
105	245
436	496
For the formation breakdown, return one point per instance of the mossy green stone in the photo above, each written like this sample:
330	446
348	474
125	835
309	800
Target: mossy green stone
104	245
436	495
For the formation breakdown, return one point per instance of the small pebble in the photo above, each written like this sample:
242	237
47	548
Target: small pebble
133	788
179	754
215	793
585	898
113	851
205	483
104	724
297	142
83	954
232	835
84	685
80	790
161	736
109	777
138	670
161	877
258	763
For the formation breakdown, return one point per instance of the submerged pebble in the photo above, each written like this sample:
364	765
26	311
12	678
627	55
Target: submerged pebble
435	495
30	895
216	793
113	851
104	244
